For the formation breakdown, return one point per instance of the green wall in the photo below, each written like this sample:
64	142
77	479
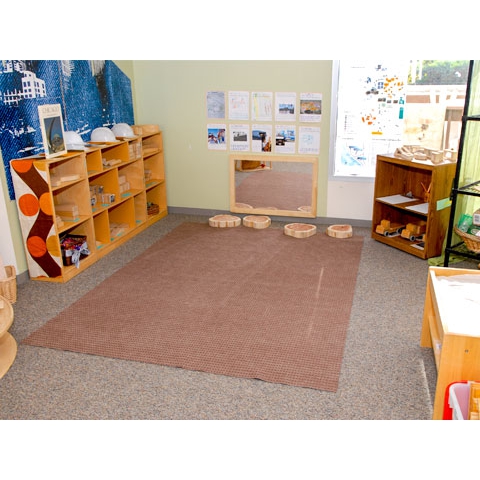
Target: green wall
172	94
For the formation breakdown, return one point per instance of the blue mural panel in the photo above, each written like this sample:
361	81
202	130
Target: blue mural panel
92	93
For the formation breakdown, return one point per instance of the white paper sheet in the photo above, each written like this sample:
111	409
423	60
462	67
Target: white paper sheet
420	208
395	199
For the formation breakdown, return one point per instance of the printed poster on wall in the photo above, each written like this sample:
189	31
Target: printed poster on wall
215	104
216	137
262	106
309	140
285	138
310	107
239	138
285	105
261	138
238	105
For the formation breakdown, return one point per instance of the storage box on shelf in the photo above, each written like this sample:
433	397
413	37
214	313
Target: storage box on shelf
100	193
413	194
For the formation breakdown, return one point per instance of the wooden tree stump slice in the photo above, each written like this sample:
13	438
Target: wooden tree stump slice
340	231
243	205
300	230
224	221
257	221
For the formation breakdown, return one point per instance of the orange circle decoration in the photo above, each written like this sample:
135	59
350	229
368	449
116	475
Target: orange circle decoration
46	204
28	204
22	166
36	247
53	246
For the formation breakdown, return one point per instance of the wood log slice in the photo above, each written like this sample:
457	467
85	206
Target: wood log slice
243	205
224	221
257	221
300	230
340	231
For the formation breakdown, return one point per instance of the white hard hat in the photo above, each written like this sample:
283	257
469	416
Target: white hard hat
73	141
122	130
102	134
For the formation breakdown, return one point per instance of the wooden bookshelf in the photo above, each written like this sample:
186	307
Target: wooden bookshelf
102	195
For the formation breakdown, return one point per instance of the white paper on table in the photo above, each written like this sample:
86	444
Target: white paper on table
394	199
420	208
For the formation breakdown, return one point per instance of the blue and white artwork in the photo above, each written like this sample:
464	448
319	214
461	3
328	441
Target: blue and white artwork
92	93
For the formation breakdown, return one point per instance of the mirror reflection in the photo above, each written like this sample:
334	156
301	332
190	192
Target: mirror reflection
273	185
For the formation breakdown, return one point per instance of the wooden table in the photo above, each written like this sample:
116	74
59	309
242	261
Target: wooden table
451	327
8	345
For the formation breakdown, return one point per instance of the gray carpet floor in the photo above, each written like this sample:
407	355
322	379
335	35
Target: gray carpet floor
385	373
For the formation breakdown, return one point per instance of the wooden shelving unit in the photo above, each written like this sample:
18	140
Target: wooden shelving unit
397	178
108	188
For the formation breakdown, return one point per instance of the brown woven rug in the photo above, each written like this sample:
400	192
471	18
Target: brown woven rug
239	301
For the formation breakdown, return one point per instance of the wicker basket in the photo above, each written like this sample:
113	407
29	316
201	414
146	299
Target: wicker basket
8	286
153	209
472	242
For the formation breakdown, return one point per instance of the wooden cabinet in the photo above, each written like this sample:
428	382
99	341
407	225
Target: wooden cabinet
451	328
411	193
100	197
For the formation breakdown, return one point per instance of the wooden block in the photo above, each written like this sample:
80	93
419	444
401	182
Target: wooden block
300	230
257	221
340	231
224	221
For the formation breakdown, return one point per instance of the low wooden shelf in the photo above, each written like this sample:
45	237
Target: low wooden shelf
398	178
8	345
105	193
455	339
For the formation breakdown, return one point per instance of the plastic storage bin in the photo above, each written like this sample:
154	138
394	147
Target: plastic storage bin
459	397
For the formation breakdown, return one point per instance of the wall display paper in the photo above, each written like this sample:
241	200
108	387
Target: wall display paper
215	104
238	105
216	137
262	106
310	107
261	138
309	140
239	138
92	93
285	106
285	138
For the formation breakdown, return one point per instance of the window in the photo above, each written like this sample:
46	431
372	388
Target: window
382	105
